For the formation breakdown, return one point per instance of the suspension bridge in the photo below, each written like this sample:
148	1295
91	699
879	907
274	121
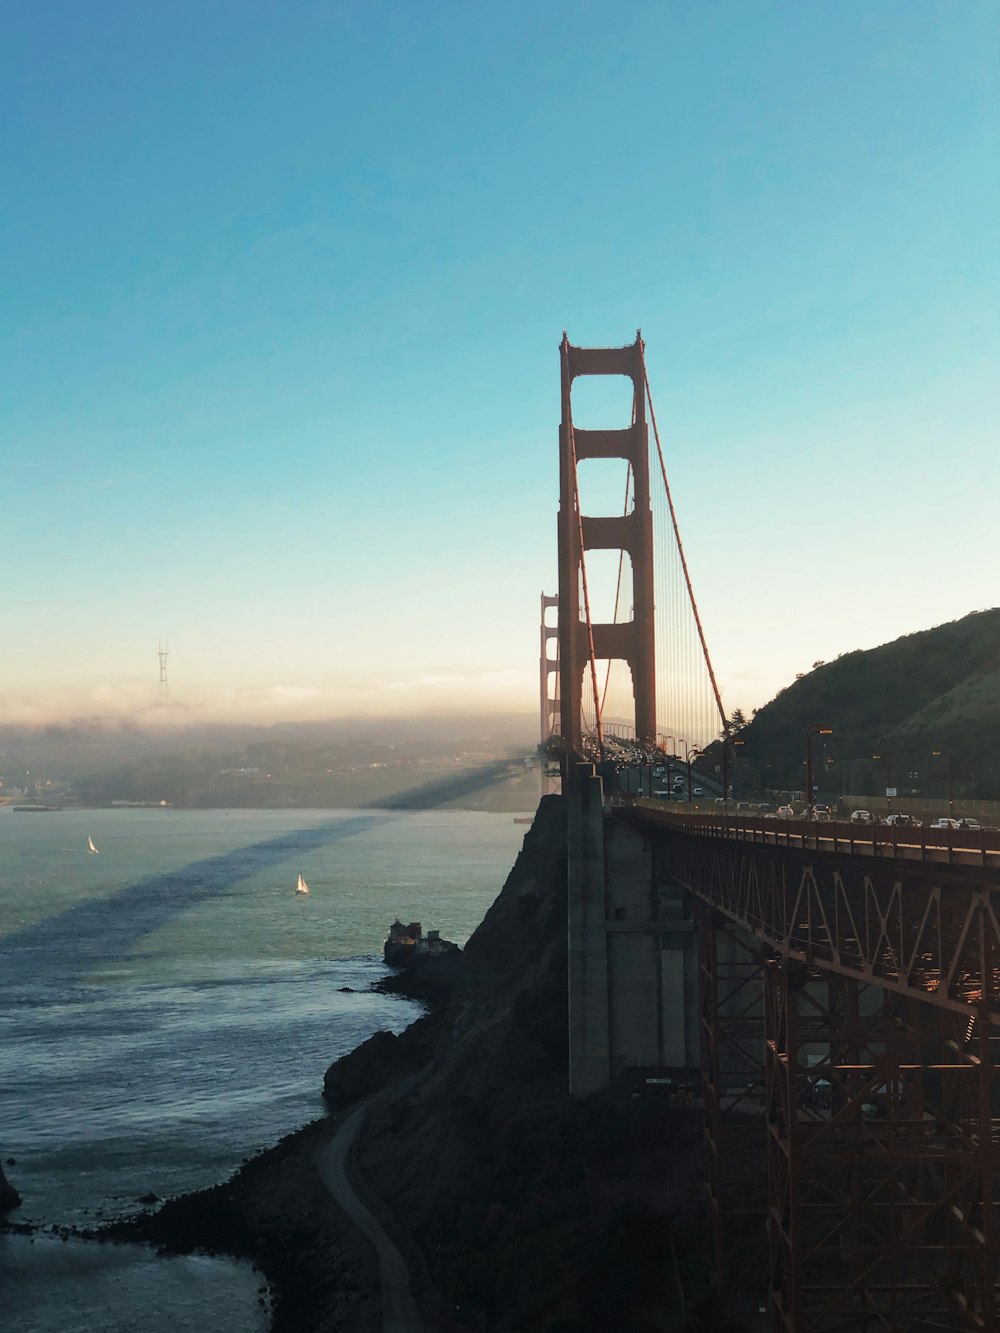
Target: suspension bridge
641	672
835	992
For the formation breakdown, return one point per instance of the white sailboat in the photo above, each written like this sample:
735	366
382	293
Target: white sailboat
90	845
302	886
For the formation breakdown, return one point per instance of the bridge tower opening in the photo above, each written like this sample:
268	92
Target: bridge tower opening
548	672
582	642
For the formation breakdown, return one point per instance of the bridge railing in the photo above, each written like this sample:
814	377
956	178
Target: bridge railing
900	842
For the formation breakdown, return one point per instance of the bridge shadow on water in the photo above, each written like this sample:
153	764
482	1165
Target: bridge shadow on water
108	928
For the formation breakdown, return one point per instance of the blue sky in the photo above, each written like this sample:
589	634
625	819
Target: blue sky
284	286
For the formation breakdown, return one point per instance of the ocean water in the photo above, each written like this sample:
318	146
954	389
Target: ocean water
169	1006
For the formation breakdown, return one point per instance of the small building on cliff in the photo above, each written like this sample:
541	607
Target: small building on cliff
408	943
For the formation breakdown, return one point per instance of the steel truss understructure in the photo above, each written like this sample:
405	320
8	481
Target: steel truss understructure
871	989
731	1002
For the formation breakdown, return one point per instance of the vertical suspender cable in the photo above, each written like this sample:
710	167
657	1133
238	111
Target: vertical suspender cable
618	589
680	549
586	593
621	555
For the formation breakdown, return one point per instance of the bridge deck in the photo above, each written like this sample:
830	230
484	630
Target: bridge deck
954	847
918	913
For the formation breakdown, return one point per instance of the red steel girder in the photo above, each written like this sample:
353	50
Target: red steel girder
920	929
883	1160
731	1005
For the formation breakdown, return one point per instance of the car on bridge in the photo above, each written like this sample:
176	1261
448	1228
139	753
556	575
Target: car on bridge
972	824
784	812
945	822
901	821
861	817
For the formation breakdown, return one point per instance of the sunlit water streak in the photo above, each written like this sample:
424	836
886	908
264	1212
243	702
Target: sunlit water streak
169	1007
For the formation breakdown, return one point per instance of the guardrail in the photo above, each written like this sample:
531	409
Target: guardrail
975	847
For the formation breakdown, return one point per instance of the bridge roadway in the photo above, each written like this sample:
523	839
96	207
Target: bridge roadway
915	911
970	847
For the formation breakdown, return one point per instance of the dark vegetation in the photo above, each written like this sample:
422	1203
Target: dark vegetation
520	1211
9	1197
938	690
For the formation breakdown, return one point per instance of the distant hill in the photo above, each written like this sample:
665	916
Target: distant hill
938	690
436	760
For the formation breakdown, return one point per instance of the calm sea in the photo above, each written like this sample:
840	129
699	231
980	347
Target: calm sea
169	1006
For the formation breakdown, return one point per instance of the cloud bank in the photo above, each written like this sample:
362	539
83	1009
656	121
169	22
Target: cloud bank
132	702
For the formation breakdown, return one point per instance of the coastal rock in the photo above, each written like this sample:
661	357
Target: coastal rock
366	1069
431	979
9	1197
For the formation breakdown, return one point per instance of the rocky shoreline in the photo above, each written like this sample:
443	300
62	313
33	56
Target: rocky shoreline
518	1209
9	1197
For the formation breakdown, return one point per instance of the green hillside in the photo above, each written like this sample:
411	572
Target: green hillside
936	691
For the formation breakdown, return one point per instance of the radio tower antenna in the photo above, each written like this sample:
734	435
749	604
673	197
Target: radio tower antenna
163	653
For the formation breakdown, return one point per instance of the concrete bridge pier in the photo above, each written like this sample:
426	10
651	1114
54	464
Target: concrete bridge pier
633	967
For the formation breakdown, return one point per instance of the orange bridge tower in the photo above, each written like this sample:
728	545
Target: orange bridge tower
581	642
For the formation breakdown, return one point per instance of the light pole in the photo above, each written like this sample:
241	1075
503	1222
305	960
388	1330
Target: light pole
951	786
725	765
888	778
669	756
693	753
817	729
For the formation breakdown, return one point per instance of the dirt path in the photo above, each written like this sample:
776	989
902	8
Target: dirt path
399	1310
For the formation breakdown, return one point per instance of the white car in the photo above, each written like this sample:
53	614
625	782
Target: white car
945	822
785	812
861	817
697	792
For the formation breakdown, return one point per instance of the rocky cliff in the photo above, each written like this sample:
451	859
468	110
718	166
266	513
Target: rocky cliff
524	1210
9	1197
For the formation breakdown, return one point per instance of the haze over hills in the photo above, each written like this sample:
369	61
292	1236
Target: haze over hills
339	762
927	704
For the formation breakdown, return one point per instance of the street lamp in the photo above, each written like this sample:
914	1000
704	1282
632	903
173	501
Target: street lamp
668	755
817	729
888	778
726	742
951	786
693	753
